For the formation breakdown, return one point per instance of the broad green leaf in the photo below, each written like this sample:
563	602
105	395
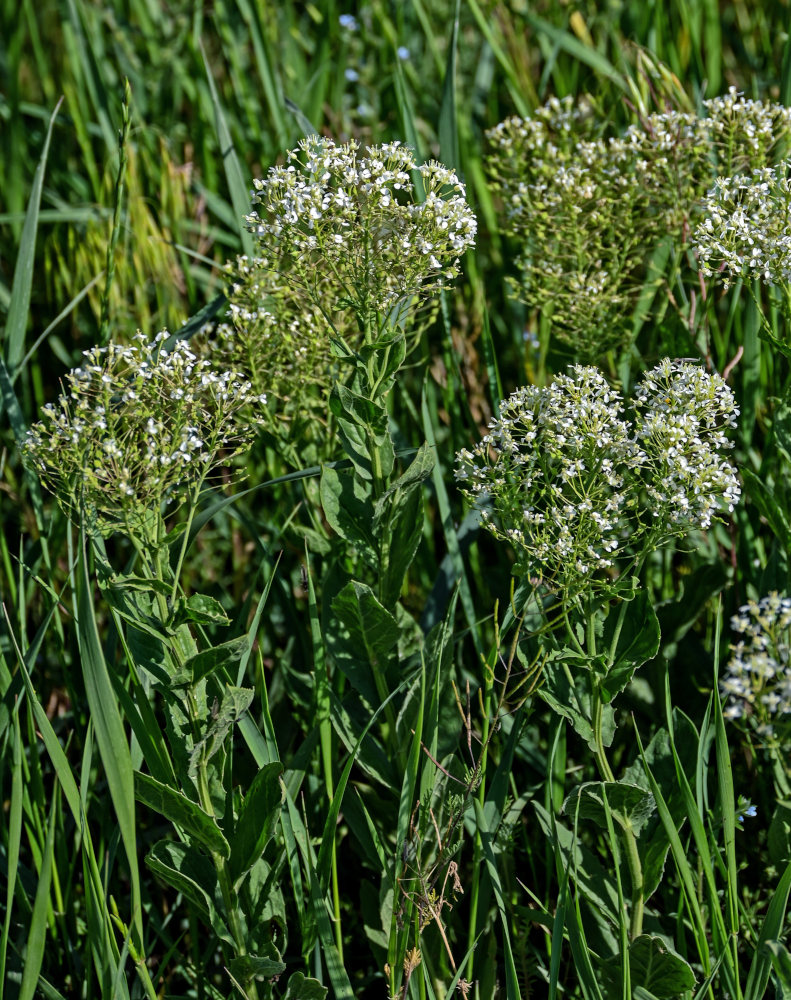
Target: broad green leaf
590	876
202	609
635	643
192	874
235	703
362	426
569	696
140	583
662	972
369	624
261	899
381	362
400	541
346	500
300	988
181	811
202	664
258	815
248	967
630	805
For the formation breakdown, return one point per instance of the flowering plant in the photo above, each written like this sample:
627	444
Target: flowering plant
359	234
757	679
570	482
589	209
136	429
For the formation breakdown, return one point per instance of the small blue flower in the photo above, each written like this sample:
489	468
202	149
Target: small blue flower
351	75
348	21
403	53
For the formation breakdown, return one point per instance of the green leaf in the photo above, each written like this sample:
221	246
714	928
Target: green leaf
17	319
202	664
362	426
300	988
109	728
371	627
190	872
779	838
655	968
781	960
235	703
381	360
448	126
417	472
769	506
140	583
653	842
570	696
202	609
630	805
181	811
238	188
590	876
37	932
771	929
346	501
245	968
637	642
258	816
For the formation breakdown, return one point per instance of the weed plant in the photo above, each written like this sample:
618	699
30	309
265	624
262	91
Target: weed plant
411	621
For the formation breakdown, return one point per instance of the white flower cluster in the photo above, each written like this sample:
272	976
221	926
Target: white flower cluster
589	208
746	133
681	414
746	229
757	680
355	232
137	427
570	482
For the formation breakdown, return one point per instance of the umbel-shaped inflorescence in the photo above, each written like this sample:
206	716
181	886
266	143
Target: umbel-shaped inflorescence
757	680
363	235
581	491
136	428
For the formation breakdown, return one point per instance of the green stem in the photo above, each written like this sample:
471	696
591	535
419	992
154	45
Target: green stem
185	541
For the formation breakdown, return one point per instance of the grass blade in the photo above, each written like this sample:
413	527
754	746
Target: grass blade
110	735
237	187
13	840
38	923
448	124
16	322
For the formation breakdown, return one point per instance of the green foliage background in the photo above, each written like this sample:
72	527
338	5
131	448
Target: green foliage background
218	93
